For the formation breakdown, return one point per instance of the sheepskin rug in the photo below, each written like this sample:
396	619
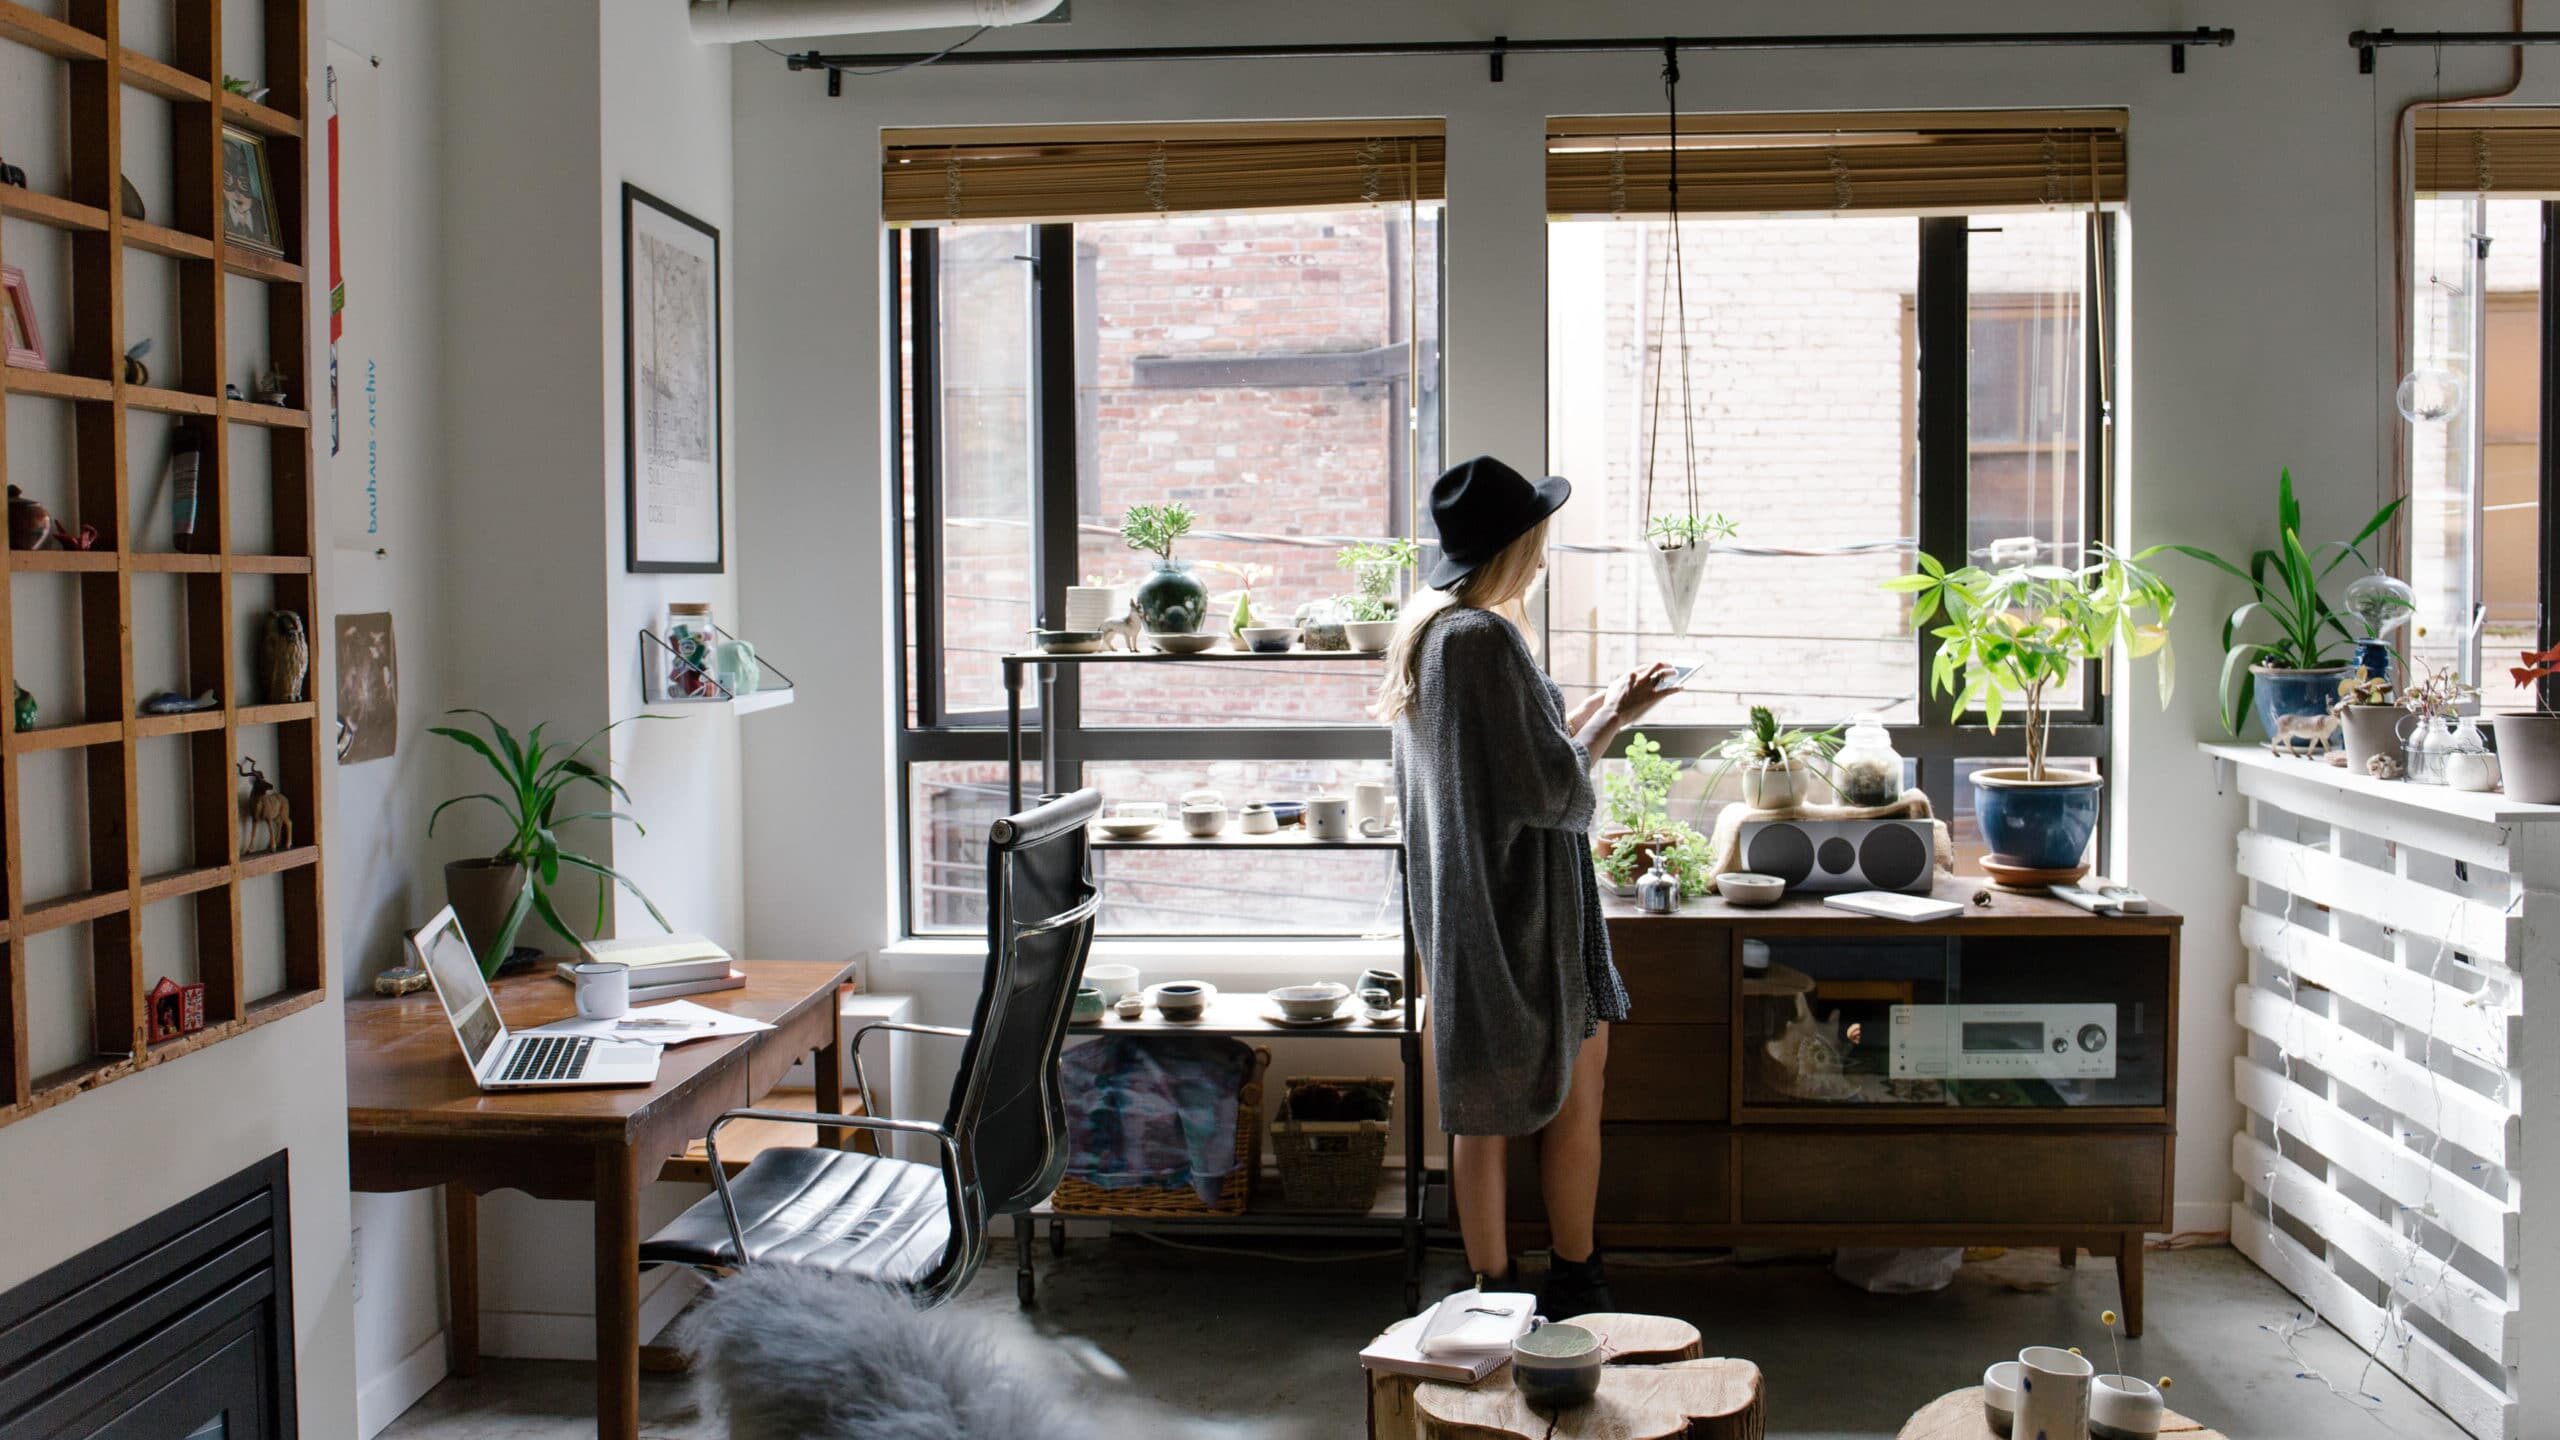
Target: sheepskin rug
793	1354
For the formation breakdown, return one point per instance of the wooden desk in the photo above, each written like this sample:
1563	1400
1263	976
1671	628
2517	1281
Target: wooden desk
415	1119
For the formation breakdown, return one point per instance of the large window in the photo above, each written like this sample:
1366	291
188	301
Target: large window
1277	371
1823	351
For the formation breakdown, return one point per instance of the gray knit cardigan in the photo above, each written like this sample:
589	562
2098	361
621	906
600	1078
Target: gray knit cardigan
1505	911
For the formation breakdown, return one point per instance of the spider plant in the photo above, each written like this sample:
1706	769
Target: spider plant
1673	532
533	779
2284	581
1766	746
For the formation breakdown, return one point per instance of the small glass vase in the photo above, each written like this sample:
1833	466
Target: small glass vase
2436	739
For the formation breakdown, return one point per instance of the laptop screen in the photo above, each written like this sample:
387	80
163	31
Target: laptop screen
449	962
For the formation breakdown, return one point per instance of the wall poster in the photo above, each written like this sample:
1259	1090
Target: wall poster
670	387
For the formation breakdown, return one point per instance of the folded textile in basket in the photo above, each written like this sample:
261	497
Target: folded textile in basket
1154	1111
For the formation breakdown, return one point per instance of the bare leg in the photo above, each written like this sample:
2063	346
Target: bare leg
1477	1176
1569	1154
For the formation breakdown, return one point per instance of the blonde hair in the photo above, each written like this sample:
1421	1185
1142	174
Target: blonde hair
1498	585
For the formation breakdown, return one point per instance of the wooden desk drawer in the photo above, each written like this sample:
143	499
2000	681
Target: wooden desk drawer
1677	973
1649	1175
1862	1177
1669	1072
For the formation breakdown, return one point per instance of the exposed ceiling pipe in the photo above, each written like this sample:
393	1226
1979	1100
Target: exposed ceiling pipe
732	22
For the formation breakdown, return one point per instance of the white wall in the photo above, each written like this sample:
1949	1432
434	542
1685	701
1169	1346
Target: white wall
2256	338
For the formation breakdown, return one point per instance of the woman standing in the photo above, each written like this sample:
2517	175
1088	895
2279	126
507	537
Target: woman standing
1495	784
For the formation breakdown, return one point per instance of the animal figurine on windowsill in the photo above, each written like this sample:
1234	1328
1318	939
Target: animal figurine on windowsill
2305	735
284	658
264	808
1124	631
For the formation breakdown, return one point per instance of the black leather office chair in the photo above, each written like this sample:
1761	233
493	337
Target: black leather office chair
924	1228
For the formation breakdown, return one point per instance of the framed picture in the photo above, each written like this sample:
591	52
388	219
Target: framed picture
670	388
249	194
24	343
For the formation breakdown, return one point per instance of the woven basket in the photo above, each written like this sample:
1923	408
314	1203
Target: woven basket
1330	1164
1082	1197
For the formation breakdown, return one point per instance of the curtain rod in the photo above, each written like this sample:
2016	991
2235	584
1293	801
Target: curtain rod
2365	42
1501	46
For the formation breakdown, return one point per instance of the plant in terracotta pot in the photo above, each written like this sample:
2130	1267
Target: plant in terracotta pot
1172	601
2018	633
1638	828
2295	671
1777	764
495	895
2529	742
2368	713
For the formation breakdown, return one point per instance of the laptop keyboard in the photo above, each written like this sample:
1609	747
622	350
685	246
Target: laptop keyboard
548	1057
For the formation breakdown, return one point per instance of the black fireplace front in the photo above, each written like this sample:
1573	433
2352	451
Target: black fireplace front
181	1328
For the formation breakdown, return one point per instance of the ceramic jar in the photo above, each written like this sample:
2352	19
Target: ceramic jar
2053	1394
1172	601
1867	771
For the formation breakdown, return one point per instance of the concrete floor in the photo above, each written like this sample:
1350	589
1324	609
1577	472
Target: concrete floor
1262	1348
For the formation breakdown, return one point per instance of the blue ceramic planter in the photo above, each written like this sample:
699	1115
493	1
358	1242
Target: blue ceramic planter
2036	825
2294	692
1172	601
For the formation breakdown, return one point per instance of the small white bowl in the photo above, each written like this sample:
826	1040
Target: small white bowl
1130	827
2000	1396
1320	1001
1369	636
1747	890
1268	639
1191	644
2122	1407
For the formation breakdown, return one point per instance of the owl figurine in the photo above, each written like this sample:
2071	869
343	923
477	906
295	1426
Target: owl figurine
284	657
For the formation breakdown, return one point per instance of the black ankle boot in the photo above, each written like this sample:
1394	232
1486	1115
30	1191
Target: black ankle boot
1507	1280
1574	1287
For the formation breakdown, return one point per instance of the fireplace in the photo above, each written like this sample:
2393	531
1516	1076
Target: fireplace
181	1328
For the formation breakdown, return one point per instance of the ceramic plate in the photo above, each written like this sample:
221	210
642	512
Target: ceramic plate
1132	829
1272	1014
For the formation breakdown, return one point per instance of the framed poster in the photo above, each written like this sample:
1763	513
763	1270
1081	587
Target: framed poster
670	387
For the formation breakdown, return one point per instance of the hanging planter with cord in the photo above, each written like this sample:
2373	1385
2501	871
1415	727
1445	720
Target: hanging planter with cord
1679	543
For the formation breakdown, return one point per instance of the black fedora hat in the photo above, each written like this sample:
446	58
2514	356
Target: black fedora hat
1481	505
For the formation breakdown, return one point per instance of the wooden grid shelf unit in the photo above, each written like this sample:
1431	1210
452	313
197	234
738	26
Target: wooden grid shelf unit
108	733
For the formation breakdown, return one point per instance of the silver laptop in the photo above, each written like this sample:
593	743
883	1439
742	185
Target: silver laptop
503	1061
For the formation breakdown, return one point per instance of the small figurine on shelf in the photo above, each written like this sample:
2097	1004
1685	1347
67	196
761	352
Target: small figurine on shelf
284	657
23	708
175	1009
135	372
1124	630
264	808
254	94
400	979
12	175
231	391
170	702
268	386
32	526
129	199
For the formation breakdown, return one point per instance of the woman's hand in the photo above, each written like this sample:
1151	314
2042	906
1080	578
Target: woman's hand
1625	702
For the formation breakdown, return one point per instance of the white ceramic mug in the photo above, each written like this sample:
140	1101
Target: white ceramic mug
2053	1394
1329	817
603	989
1368	802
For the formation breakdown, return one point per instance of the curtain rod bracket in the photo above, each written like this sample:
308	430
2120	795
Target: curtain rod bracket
2177	59
1670	61
1501	46
835	83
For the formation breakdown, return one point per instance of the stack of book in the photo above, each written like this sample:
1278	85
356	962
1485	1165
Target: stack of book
1462	1339
666	966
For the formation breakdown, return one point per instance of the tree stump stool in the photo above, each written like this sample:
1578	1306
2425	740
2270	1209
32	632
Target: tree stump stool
1957	1415
1655	1387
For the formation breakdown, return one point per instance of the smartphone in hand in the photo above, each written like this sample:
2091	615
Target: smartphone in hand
1680	674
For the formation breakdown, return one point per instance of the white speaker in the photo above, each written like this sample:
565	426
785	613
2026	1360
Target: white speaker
1821	856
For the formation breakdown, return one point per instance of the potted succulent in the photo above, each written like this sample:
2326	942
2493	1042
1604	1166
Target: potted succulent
2296	671
2529	743
1172	601
2017	632
1636	804
493	896
1377	568
2369	722
1776	764
1680	559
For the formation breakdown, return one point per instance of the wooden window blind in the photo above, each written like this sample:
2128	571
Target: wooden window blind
1105	172
1922	162
2493	148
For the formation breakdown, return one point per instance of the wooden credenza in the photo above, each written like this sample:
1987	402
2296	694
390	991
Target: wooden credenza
1711	1139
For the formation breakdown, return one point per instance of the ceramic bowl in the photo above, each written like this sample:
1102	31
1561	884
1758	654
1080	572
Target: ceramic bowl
1182	999
1369	636
2000	1396
1204	821
2124	1408
1257	819
1747	890
1067	642
1130	827
1391	981
1191	644
1557	1366
1089	1004
1268	639
1311	1002
1288	812
1113	981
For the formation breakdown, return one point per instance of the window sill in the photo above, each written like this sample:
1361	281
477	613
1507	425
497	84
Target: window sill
1208	956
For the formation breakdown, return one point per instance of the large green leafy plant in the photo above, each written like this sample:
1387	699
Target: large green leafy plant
2020	630
2284	582
1767	745
1637	804
533	780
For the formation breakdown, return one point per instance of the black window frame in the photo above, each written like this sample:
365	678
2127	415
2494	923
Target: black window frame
1936	743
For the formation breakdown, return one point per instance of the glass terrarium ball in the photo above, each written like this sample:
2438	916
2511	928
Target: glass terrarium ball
2380	604
2429	393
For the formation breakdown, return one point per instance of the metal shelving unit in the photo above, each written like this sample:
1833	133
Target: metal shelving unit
1231	1017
